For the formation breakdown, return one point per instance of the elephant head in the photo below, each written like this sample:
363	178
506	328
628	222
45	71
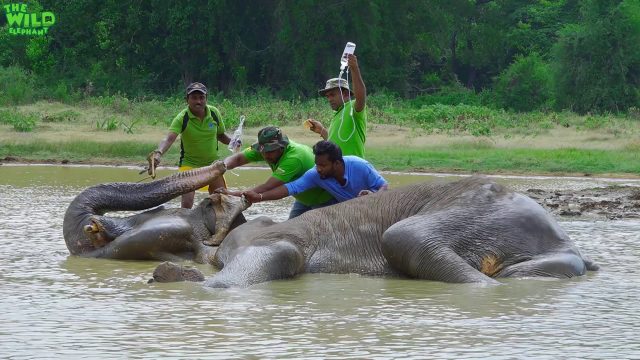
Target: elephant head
85	228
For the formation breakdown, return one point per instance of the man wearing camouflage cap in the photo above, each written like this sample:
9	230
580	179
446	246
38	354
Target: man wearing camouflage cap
200	127
348	128
288	161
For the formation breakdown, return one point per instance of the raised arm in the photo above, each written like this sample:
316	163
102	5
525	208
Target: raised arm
359	90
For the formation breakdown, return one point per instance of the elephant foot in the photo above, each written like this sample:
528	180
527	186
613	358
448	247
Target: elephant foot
170	272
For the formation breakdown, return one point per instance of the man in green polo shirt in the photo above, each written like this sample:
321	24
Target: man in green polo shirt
348	128
200	127
288	161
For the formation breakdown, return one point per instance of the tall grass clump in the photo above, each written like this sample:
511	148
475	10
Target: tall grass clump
19	121
16	86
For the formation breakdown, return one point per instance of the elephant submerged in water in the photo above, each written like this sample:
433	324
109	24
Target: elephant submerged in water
158	234
472	230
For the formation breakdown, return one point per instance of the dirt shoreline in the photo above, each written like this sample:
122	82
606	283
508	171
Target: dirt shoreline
611	202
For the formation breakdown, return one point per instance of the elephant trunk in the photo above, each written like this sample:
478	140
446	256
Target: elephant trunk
103	198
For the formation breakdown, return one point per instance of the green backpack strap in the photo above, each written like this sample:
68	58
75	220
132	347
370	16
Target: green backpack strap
185	122
185	119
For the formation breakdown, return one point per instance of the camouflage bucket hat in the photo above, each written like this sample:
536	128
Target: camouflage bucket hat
335	83
269	139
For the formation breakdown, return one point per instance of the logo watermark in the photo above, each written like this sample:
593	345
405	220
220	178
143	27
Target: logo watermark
20	22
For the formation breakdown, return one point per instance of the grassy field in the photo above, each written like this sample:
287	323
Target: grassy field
401	136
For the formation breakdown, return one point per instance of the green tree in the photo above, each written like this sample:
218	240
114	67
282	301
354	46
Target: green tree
597	61
525	85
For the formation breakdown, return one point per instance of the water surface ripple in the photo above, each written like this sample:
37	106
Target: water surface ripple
58	306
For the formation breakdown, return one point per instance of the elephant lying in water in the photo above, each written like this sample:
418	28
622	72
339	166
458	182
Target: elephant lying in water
158	234
472	230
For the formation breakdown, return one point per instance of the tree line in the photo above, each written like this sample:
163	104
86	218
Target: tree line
579	55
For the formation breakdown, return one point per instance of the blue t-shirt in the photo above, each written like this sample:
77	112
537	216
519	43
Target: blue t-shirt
360	175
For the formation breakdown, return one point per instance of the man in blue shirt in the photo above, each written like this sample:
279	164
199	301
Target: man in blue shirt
343	177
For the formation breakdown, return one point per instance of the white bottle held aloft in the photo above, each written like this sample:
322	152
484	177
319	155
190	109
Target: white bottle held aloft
350	48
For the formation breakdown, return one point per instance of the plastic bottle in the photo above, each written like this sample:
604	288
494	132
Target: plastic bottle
236	141
350	48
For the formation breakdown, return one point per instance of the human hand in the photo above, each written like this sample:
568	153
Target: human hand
364	192
252	196
352	62
154	160
316	126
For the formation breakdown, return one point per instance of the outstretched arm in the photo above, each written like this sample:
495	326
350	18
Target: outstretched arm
273	194
166	143
235	160
271	183
155	156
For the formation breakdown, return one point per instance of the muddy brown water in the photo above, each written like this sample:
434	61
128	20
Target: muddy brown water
53	305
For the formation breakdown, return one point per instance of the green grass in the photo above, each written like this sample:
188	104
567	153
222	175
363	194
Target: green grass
446	159
485	160
114	129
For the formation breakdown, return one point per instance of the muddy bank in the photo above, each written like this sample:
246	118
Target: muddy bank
612	202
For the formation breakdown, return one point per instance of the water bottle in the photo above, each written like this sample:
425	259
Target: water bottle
236	140
350	48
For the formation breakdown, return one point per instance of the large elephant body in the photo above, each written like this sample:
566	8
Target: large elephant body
157	234
472	230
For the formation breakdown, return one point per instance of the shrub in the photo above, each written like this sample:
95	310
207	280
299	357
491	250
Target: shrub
16	86
64	116
24	122
452	95
525	85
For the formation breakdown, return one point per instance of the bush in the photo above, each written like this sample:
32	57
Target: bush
24	122
63	93
16	86
525	85
452	95
20	122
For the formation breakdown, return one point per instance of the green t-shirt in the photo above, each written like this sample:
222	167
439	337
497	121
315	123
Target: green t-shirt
294	162
342	133
199	138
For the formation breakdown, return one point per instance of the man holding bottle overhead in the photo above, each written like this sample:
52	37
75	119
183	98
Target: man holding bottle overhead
348	128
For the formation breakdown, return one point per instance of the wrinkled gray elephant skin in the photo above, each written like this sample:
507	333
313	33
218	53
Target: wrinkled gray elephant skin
469	231
157	234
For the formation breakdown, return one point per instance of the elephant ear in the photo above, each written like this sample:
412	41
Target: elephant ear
226	208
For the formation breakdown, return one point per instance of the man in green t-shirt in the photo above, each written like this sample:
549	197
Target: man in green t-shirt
200	127
288	161
348	128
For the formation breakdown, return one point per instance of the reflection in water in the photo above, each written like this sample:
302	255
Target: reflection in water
57	306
